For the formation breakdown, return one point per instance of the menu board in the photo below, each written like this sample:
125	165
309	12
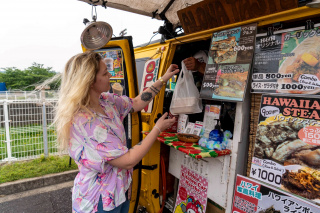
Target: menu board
229	63
192	192
287	146
251	196
287	63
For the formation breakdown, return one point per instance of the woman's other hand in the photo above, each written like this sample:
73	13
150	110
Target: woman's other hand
171	71
164	123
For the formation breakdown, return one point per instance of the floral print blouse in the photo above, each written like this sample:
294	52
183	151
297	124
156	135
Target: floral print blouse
94	140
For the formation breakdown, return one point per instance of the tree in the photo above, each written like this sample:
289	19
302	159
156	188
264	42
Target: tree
29	78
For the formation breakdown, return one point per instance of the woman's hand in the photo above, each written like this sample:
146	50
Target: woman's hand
164	123
171	71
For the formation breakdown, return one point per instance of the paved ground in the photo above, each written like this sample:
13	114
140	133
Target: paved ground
50	199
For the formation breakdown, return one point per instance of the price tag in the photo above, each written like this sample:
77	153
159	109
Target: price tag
209	85
295	86
267	171
270	76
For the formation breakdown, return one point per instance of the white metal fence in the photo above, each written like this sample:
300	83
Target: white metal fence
25	130
28	95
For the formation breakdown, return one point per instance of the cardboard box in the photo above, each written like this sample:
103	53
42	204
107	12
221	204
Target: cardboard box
182	122
212	207
197	128
211	113
189	129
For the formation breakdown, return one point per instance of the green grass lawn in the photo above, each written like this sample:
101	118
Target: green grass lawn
27	141
34	168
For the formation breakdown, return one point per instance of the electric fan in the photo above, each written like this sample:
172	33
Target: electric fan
96	34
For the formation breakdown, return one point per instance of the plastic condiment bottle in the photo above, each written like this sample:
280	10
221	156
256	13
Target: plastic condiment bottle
216	134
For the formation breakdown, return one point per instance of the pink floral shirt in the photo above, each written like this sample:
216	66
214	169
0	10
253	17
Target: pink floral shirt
93	142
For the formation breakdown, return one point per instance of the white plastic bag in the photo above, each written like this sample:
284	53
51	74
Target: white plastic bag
185	99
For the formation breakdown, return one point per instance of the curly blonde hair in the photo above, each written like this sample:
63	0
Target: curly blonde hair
79	74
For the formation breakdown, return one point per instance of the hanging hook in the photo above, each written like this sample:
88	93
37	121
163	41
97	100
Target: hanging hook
270	31
94	17
309	25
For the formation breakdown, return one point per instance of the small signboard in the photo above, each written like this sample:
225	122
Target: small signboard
287	63
251	196
229	63
214	13
192	192
287	146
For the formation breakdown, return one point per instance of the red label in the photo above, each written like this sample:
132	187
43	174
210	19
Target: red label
183	193
174	126
310	135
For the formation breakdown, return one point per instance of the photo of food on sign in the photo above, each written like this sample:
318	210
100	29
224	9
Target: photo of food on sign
114	61
303	65
223	51
287	146
229	62
232	80
288	63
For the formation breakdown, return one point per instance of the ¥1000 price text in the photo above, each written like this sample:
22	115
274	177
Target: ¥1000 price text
269	176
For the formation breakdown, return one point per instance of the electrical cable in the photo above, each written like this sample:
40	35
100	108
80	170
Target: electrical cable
149	41
175	37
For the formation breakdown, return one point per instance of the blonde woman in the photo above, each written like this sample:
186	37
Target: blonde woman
89	125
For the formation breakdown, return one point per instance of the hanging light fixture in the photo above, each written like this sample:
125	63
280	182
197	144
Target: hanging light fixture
314	4
96	34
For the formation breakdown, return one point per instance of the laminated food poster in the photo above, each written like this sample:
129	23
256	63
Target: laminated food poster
192	192
229	63
287	146
287	63
114	61
251	196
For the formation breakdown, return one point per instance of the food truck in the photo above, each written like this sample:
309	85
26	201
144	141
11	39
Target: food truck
259	91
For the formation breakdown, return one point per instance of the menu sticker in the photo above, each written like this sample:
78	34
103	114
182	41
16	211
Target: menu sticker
251	196
287	63
287	146
229	63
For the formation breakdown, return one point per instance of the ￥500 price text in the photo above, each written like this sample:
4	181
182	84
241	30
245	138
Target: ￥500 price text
210	85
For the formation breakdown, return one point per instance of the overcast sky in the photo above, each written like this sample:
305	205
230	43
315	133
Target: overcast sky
48	31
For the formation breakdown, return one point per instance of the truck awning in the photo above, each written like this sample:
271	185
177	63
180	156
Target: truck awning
151	8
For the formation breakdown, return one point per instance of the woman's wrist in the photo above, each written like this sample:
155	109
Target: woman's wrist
163	81
158	129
